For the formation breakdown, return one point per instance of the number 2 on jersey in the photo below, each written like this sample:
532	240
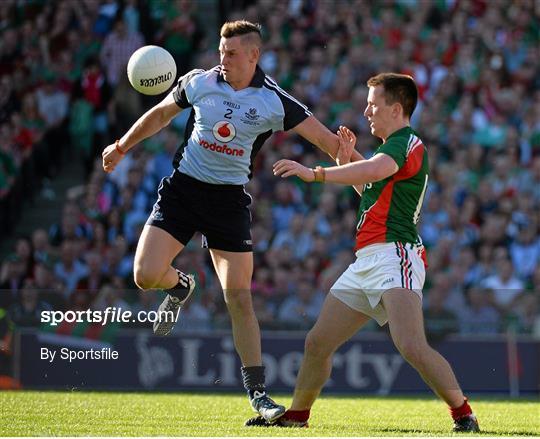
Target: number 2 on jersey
227	115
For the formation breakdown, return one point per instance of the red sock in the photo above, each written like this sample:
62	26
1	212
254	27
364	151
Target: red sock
297	415
461	411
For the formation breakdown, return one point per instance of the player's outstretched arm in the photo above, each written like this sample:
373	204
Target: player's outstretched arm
147	125
375	169
315	132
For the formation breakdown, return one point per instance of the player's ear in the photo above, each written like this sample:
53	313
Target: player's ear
397	109
255	53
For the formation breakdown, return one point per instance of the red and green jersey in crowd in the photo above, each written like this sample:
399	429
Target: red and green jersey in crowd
390	208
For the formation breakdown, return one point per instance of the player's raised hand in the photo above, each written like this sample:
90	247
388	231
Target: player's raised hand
347	142
111	157
287	168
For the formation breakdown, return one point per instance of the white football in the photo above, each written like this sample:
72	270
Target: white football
151	70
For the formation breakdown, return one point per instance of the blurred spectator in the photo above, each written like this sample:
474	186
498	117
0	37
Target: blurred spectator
161	164
110	297
87	118
180	31
124	108
117	48
53	108
506	287
479	316
285	206
69	269
283	286
11	279
195	317
525	251
71	226
263	311
302	308
527	312
49	287
147	301
448	291
26	312
439	321
94	279
262	283
296	236
42	250
118	262
23	250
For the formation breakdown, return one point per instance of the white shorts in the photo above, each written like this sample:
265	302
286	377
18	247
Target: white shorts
379	268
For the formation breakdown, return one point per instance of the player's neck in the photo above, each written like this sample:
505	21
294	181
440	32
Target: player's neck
242	83
239	85
395	127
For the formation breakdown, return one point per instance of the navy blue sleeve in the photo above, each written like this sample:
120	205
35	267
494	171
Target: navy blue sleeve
179	92
295	112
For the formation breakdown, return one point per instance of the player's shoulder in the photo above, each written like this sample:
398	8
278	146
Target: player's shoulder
198	74
198	81
287	101
269	84
404	137
399	145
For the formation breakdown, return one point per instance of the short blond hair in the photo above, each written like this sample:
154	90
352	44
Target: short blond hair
252	31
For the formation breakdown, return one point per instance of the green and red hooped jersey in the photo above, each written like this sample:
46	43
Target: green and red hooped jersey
390	208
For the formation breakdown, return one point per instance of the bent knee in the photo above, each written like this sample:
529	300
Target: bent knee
145	277
413	353
315	346
238	300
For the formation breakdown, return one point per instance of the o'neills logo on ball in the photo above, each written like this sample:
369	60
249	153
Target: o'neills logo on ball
150	82
224	131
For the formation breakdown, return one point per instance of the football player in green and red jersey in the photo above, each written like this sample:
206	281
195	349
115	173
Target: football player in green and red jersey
385	282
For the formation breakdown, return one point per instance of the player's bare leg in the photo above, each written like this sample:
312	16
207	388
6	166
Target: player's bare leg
152	268
336	323
155	252
406	322
405	319
234	270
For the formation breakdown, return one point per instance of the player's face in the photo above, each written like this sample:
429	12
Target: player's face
237	58
378	112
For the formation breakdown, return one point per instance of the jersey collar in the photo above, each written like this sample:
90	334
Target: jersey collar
257	81
400	131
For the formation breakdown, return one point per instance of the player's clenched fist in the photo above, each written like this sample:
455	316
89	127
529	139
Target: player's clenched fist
111	157
287	168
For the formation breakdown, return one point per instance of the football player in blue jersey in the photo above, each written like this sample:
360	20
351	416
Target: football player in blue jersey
234	108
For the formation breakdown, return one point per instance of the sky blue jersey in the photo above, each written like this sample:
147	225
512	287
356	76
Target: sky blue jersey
226	127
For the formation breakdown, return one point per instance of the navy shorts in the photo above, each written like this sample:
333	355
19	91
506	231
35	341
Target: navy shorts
220	212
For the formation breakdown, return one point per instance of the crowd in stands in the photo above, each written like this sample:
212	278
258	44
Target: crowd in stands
64	93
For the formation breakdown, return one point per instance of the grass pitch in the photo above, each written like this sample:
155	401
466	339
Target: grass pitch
157	414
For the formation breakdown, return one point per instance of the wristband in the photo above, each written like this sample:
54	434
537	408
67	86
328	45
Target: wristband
118	150
319	173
